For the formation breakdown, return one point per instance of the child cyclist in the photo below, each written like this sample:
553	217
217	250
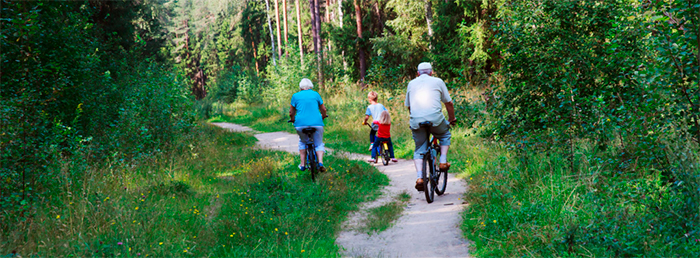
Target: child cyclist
383	135
374	109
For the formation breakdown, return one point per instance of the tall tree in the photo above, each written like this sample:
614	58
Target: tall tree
429	16
299	34
358	20
316	31
272	38
277	22
286	30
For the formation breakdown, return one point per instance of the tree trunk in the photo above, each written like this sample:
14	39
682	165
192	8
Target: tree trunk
316	21
286	28
277	22
255	56
269	26
429	16
358	20
340	13
380	23
301	39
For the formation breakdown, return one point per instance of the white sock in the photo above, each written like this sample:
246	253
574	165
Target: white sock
443	154
419	168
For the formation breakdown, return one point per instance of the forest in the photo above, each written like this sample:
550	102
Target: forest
578	127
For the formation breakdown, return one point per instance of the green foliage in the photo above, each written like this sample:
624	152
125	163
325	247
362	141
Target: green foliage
82	91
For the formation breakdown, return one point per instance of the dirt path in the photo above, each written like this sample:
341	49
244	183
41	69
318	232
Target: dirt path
424	230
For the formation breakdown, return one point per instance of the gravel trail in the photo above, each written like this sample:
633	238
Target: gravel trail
423	230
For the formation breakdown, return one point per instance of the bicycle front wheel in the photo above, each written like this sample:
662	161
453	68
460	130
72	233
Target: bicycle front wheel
440	176
428	182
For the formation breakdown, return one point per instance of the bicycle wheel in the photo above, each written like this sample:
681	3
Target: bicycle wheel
312	163
385	154
428	183
440	176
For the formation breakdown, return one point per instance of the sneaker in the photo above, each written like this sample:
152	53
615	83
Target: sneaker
302	168
372	160
394	160
321	168
370	146
419	184
444	167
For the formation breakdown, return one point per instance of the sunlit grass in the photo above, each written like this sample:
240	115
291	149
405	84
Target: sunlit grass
216	197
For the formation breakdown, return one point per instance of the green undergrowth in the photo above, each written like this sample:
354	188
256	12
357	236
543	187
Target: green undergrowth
216	197
536	206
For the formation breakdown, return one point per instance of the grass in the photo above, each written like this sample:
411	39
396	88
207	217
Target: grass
217	196
383	217
532	204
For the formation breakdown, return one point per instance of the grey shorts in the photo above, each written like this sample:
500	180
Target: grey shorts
318	137
441	132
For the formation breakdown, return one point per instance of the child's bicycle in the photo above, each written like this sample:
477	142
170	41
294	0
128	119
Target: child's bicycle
383	150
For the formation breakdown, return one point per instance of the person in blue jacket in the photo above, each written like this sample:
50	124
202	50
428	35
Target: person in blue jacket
307	111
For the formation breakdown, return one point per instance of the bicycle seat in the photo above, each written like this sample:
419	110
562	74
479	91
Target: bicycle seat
308	130
426	124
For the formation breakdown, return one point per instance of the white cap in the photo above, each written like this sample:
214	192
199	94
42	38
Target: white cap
424	66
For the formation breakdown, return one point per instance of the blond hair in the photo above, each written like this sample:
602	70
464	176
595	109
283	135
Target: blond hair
372	95
385	118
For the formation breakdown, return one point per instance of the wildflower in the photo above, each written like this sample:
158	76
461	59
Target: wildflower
184	251
302	250
120	243
58	216
161	243
137	208
275	229
494	221
285	233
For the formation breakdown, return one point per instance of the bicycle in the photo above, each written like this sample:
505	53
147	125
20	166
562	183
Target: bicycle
382	150
311	159
432	182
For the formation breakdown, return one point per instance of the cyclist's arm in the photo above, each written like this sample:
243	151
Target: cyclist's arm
292	112
323	110
450	112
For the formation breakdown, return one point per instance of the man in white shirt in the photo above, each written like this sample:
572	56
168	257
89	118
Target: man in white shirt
424	97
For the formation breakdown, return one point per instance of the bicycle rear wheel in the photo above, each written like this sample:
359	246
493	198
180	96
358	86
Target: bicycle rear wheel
428	182
312	163
385	154
440	176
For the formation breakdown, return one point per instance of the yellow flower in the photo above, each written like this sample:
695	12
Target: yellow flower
494	221
161	243
302	250
137	208
184	251
275	229
285	233
58	216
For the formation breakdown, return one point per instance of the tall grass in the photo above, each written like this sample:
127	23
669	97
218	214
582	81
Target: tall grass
217	196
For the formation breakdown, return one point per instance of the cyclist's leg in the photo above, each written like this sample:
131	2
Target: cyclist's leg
376	143
318	141
421	142
391	147
442	133
303	139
